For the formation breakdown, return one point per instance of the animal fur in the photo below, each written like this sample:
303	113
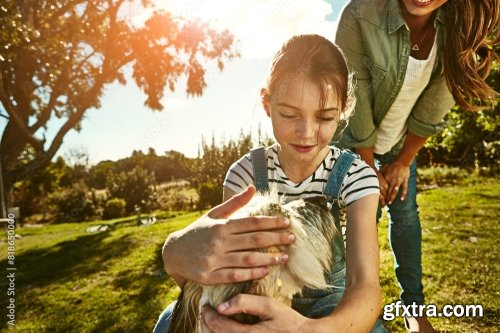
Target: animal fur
310	257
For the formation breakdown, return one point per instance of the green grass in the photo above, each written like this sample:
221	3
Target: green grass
70	281
456	269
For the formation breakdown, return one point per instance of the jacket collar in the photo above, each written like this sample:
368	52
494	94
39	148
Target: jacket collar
395	19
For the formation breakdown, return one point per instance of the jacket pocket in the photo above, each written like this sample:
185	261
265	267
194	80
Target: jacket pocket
377	73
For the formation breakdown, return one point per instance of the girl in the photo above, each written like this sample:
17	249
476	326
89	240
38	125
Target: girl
308	93
412	60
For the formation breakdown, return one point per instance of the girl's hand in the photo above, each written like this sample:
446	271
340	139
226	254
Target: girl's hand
215	249
396	173
274	315
383	187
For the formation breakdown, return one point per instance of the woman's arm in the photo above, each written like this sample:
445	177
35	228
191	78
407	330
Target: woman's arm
215	249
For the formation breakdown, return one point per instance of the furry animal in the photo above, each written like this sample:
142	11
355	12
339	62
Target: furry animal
310	257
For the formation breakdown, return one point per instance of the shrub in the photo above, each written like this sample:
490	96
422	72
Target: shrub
210	195
176	196
114	208
210	168
73	204
135	187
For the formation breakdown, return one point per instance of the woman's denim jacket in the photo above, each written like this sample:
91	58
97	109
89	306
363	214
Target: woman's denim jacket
376	42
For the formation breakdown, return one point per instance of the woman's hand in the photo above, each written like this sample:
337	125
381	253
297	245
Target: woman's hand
383	187
396	174
274	316
215	249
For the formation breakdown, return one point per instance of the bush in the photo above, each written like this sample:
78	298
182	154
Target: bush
210	195
441	175
114	208
135	187
173	200
74	204
176	196
210	168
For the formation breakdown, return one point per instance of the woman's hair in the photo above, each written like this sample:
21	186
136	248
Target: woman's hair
469	50
318	59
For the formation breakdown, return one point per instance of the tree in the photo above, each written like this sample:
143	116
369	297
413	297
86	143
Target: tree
58	55
210	169
135	187
470	139
31	194
172	165
99	173
74	204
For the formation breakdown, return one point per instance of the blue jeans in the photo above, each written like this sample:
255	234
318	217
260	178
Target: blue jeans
312	304
405	236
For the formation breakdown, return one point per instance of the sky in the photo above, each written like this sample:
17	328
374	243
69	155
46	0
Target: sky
229	104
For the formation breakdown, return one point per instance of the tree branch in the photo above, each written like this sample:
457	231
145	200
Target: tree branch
47	111
80	65
43	158
14	115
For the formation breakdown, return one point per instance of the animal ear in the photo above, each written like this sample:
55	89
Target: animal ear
319	201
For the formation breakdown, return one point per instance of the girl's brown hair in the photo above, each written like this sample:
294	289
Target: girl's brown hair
469	50
318	59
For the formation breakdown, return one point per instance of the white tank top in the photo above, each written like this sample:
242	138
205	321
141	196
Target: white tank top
394	124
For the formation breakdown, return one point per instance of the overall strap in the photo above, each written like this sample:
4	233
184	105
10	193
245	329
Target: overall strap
259	163
332	194
337	175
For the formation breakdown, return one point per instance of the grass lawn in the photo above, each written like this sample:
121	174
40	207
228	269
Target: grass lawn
460	232
70	281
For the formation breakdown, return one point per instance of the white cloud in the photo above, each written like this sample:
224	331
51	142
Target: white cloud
174	103
261	26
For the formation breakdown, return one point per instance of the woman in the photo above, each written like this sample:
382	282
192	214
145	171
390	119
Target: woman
413	60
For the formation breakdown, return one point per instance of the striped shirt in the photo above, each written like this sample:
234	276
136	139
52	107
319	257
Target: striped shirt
360	180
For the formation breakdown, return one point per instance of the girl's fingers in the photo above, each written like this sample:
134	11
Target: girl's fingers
253	259
231	275
257	240
203	323
256	223
259	306
217	323
227	208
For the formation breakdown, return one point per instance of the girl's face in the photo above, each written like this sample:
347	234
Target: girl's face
422	7
301	126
